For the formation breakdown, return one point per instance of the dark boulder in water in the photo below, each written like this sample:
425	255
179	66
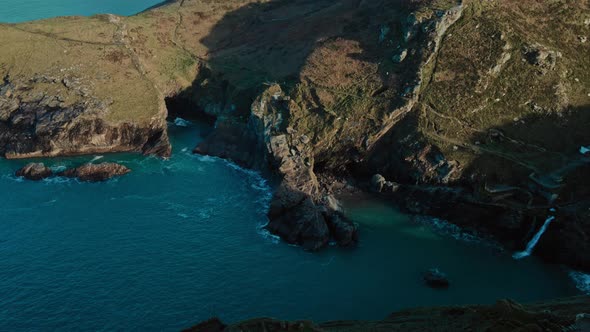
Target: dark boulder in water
96	172
343	231
34	171
297	219
436	279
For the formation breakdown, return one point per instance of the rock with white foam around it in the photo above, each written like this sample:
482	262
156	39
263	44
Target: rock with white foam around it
96	172
34	171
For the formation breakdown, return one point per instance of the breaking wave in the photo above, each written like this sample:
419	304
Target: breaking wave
445	228
180	122
582	281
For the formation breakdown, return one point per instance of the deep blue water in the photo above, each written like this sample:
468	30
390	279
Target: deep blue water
177	241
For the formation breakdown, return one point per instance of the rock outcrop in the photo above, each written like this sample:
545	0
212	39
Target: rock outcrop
568	314
96	172
296	135
34	171
69	120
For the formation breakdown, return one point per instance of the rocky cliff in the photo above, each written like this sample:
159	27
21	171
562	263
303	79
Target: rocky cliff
474	110
558	315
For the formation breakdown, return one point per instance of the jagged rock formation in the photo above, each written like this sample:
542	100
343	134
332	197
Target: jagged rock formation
558	315
472	110
95	172
34	171
59	97
324	123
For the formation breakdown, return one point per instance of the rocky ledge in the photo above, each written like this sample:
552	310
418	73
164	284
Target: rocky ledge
34	171
95	172
87	172
570	314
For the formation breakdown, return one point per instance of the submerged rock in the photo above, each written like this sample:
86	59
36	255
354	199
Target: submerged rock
34	171
436	279
96	172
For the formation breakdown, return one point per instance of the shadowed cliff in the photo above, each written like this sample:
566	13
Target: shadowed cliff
569	314
303	87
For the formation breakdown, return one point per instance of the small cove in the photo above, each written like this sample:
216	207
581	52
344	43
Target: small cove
180	240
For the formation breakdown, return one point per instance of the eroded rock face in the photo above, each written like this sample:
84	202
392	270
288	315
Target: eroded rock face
35	172
45	116
96	172
313	129
344	232
297	212
296	218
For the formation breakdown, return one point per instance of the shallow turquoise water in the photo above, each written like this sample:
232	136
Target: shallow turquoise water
177	241
22	10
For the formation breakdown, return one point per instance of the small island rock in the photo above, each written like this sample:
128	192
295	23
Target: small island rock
96	172
34	171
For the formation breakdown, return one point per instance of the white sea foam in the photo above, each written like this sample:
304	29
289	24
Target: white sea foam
13	177
444	228
180	122
207	159
58	168
58	180
183	215
582	281
268	235
257	182
96	158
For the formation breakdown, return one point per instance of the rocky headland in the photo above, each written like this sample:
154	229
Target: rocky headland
473	111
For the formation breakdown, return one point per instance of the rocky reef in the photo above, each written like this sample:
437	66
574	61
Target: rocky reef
557	315
87	172
95	172
473	111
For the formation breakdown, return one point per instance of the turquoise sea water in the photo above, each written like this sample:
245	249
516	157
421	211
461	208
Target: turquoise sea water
22	10
177	241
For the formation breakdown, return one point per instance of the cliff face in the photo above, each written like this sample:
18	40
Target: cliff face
338	98
501	120
35	122
70	87
475	108
558	315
